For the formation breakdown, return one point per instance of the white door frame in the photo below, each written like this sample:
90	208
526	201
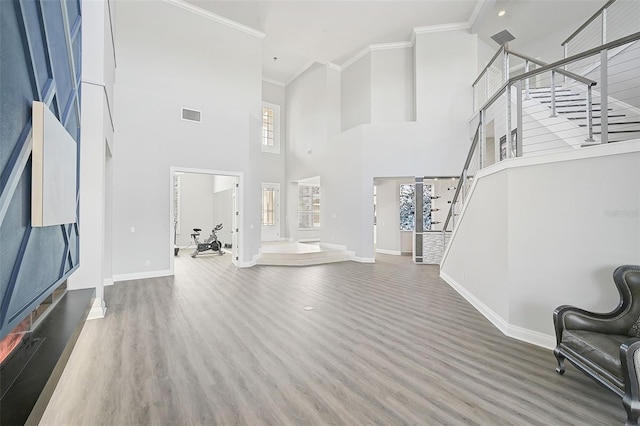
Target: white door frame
236	254
278	229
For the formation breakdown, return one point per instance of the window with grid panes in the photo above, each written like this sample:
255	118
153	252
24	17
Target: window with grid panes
308	206
268	206
270	128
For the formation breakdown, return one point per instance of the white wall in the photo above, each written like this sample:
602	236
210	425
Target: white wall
97	141
347	162
274	165
313	113
544	231
196	206
355	93
223	213
199	64
445	68
392	90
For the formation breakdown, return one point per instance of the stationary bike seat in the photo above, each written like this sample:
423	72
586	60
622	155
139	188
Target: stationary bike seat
197	229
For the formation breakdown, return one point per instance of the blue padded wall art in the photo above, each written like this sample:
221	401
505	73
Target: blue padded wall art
40	41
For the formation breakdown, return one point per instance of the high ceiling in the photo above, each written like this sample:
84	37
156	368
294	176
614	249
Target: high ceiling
301	32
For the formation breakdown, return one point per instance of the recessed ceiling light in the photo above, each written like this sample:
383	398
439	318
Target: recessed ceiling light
502	13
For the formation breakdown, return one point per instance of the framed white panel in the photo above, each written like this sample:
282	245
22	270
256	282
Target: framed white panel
54	170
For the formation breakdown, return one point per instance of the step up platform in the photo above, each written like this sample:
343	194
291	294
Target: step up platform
293	253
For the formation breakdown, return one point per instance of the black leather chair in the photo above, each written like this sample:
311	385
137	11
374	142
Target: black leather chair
606	346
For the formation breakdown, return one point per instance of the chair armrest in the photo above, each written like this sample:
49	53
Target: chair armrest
572	318
630	360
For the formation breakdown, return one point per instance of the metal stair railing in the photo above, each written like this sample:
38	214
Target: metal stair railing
514	136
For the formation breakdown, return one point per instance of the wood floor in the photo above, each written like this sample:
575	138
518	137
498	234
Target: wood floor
386	343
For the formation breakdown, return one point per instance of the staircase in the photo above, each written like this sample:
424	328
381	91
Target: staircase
623	120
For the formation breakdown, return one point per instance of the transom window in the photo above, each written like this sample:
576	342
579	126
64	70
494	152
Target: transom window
270	128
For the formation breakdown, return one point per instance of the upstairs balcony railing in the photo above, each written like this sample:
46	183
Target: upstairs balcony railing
587	98
614	20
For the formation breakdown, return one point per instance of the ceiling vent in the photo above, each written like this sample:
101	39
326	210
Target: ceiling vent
191	115
502	37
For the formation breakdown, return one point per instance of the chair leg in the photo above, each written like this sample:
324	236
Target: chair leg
633	411
560	358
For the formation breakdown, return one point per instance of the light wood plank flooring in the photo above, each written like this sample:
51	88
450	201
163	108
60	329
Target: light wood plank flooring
387	343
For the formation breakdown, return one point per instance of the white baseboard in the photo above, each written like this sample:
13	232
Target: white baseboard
333	246
385	251
141	275
107	281
531	336
364	259
514	331
98	309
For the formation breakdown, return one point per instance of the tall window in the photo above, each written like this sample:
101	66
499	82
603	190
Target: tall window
270	128
268	206
308	206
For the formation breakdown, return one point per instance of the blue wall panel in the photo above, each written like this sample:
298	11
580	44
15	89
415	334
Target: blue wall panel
40	45
16	88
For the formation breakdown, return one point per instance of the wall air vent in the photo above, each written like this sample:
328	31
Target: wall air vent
191	115
502	37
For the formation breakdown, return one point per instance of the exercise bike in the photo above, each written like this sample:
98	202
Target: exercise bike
210	243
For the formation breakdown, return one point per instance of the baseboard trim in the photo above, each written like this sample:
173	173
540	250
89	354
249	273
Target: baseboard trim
107	281
142	275
385	251
510	330
364	259
531	336
333	246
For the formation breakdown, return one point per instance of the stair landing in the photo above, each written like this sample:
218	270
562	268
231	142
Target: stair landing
293	253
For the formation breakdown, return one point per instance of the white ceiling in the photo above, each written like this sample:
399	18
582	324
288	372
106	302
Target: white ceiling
301	32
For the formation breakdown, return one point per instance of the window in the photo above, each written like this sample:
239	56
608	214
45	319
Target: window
308	206
270	128
408	207
268	206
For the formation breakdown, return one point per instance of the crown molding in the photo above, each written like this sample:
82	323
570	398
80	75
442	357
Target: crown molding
356	57
300	72
270	81
439	28
480	13
334	67
375	47
217	18
394	45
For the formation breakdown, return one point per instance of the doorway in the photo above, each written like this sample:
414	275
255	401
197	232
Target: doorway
202	199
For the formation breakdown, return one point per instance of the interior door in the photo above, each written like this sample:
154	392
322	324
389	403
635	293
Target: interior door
270	211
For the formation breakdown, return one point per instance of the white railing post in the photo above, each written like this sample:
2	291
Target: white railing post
553	93
482	141
604	97
486	86
589	114
505	71
604	26
519	120
566	52
526	83
508	122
